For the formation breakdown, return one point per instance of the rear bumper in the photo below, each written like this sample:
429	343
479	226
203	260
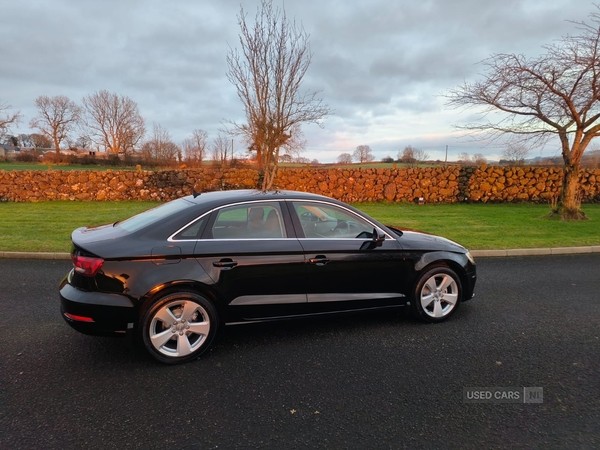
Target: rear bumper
96	313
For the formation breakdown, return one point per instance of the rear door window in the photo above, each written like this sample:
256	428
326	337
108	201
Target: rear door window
261	220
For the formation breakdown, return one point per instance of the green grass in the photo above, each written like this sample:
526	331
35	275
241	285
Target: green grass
491	226
47	226
370	165
10	166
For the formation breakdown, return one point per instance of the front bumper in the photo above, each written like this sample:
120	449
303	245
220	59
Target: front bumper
469	288
96	313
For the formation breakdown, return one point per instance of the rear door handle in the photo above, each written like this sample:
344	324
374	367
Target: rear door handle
225	263
319	260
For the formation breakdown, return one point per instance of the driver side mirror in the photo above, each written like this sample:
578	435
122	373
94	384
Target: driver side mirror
376	241
378	237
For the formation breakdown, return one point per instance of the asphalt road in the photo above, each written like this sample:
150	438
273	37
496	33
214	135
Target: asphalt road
369	381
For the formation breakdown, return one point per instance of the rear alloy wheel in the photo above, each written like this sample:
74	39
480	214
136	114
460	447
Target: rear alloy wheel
179	327
437	294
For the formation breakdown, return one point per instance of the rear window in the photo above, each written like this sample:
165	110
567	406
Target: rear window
153	215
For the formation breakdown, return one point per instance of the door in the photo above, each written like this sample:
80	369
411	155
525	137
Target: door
346	269
256	265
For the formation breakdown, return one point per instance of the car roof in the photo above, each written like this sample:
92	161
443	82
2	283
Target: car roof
216	198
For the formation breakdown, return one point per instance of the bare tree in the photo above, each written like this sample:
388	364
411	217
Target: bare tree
41	141
160	147
113	122
479	159
555	95
412	156
268	75
515	154
7	118
222	150
286	158
420	155
363	154
407	156
344	158
464	158
195	147
57	117
82	141
296	143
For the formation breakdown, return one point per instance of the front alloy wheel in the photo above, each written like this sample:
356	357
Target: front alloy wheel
437	294
179	327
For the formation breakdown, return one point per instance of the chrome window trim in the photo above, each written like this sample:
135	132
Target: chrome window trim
172	239
388	236
246	239
337	239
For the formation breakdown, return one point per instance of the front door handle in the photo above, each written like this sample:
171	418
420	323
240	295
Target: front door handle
226	263
319	260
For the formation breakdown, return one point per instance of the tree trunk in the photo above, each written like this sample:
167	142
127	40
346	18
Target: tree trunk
569	204
56	144
259	158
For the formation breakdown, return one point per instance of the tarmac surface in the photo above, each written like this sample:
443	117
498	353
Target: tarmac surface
360	381
475	253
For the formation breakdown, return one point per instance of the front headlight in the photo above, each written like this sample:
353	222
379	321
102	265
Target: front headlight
470	257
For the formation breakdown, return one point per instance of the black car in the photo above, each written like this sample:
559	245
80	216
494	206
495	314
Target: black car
175	274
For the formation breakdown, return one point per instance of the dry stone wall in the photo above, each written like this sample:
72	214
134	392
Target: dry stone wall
433	185
527	184
22	186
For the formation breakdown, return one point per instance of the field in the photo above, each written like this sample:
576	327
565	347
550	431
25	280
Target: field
47	226
9	166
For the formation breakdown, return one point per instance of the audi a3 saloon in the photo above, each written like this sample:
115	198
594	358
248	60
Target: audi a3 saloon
174	275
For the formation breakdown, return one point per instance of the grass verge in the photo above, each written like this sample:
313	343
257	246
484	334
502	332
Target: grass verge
47	226
10	166
492	226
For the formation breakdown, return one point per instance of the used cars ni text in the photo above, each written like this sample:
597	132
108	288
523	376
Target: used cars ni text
174	275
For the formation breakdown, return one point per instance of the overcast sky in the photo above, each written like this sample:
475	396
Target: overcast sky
381	65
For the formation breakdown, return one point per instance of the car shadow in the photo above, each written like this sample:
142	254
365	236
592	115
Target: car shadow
238	339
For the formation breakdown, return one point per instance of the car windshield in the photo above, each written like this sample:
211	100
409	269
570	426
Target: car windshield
151	216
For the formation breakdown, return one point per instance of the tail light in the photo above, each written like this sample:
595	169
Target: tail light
78	318
87	266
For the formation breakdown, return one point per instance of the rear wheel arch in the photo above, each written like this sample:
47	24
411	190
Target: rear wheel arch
178	326
180	286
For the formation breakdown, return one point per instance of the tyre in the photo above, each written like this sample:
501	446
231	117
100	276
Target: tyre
437	294
179	327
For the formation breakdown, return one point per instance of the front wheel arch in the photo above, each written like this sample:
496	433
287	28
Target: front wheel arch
437	293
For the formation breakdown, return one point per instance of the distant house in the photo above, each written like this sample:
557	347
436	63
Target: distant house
89	152
9	151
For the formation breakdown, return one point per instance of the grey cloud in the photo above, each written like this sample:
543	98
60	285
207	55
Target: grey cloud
376	62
